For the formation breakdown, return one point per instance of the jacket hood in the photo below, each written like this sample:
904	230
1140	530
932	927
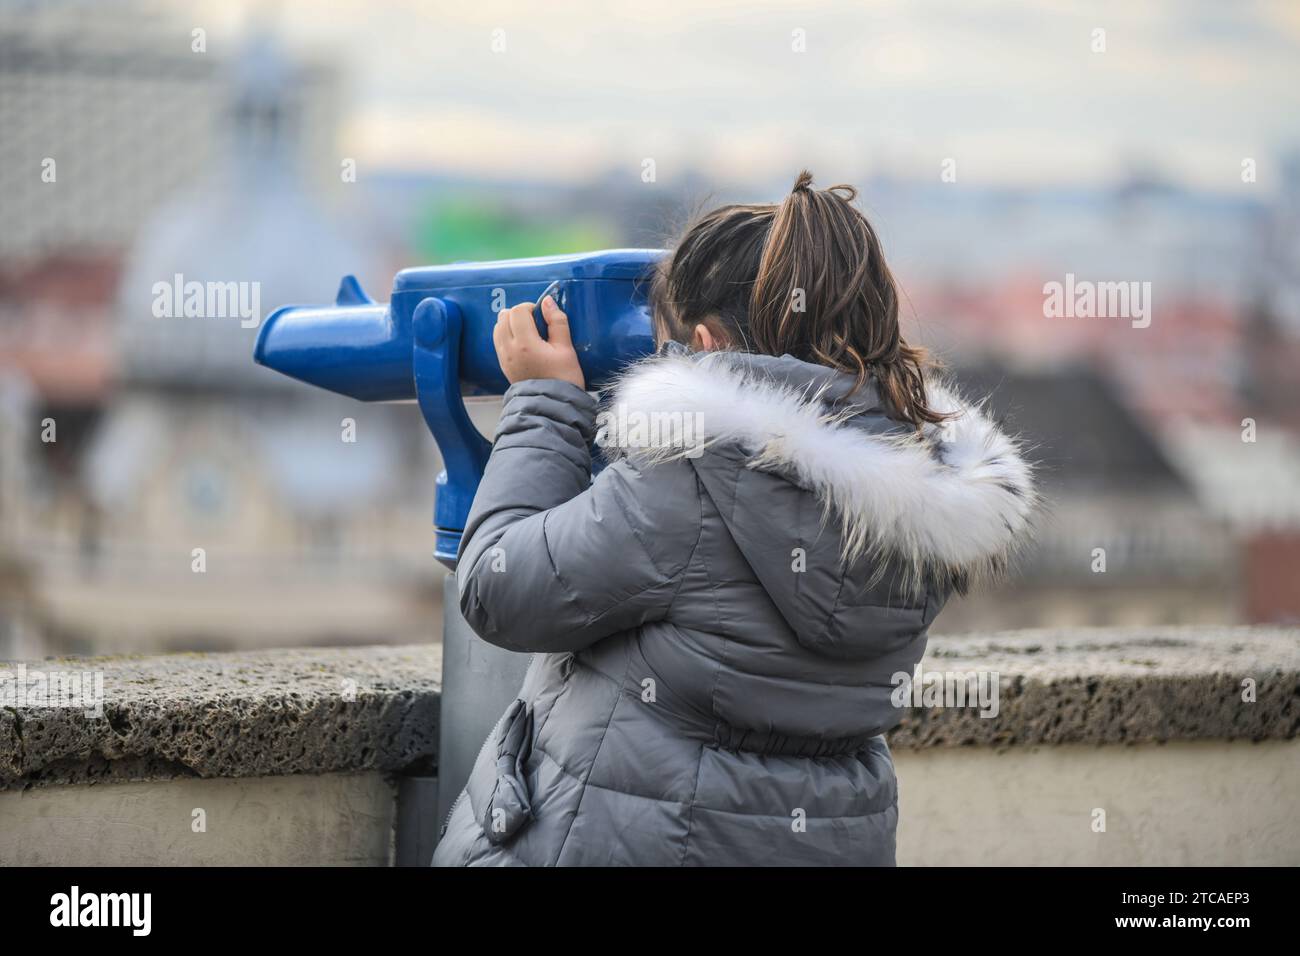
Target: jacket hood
951	504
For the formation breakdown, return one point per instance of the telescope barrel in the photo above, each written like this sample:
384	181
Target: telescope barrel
353	350
363	349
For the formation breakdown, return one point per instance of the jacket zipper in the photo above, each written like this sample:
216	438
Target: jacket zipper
464	792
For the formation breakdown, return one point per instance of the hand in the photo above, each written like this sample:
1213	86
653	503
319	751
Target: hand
524	354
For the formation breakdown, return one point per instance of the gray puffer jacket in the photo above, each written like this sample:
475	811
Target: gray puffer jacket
719	617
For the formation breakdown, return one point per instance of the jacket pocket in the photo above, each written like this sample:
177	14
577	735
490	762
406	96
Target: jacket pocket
510	807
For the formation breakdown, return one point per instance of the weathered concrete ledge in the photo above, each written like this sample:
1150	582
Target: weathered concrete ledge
252	714
321	711
1117	686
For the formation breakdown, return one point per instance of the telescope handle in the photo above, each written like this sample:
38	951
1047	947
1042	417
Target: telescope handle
437	327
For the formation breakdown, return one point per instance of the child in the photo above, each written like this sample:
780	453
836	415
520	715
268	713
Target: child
718	624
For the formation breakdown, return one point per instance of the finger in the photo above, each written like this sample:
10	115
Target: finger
522	324
503	324
500	336
557	323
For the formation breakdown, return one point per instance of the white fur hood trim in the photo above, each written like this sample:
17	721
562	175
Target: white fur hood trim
957	500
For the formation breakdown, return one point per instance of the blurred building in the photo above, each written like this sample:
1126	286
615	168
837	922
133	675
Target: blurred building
1246	465
124	107
190	499
1122	539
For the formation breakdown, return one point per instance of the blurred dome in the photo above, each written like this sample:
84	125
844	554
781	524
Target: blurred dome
251	237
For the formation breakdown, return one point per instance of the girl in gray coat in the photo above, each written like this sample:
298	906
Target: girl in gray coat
719	617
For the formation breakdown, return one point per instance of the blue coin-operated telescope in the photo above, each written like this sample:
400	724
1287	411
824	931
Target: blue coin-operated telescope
432	342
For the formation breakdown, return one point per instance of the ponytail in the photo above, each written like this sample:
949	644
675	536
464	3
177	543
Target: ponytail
824	294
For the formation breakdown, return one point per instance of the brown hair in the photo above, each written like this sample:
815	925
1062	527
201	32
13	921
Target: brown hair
805	278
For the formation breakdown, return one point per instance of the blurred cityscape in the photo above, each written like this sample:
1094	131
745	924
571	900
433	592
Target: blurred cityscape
137	449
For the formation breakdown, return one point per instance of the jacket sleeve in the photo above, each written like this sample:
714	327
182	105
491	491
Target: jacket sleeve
551	561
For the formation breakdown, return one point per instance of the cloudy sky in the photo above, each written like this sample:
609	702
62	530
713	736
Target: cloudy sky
1011	90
